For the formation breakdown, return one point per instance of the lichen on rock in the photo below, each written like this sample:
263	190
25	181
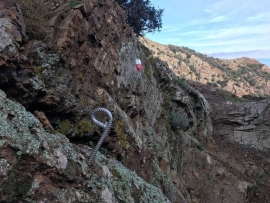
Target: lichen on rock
62	161
162	128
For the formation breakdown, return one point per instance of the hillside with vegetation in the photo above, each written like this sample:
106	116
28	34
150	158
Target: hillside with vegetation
242	76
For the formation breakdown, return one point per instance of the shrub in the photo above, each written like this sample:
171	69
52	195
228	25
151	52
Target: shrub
224	83
181	83
36	16
252	81
179	57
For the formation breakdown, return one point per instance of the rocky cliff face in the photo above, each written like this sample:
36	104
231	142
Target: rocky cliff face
240	131
39	166
162	126
243	76
245	123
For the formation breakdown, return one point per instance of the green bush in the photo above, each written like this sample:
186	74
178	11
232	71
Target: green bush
181	83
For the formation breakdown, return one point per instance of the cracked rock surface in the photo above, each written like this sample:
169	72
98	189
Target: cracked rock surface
37	166
163	145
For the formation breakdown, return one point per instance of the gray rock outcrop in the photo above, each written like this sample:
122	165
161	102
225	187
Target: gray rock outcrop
245	123
38	166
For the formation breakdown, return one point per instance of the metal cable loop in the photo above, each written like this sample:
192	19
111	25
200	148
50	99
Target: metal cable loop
106	126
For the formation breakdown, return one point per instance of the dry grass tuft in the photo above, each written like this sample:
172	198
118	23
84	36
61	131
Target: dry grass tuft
36	16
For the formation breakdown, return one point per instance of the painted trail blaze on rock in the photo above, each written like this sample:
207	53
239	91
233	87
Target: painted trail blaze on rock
139	66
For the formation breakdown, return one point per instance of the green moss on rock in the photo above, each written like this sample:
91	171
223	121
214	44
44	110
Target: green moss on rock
37	70
84	126
65	127
121	135
81	128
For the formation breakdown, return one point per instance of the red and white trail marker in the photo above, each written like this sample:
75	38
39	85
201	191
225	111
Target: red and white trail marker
139	66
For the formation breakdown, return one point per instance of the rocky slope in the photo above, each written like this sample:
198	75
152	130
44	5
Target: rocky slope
161	147
243	76
241	133
45	167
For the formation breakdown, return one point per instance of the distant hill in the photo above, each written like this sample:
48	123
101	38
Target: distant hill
242	76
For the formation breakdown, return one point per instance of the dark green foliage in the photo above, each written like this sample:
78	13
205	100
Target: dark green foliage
181	83
142	16
75	2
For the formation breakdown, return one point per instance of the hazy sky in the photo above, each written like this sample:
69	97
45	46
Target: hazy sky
222	28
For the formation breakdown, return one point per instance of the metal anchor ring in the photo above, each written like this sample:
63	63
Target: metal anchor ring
106	126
